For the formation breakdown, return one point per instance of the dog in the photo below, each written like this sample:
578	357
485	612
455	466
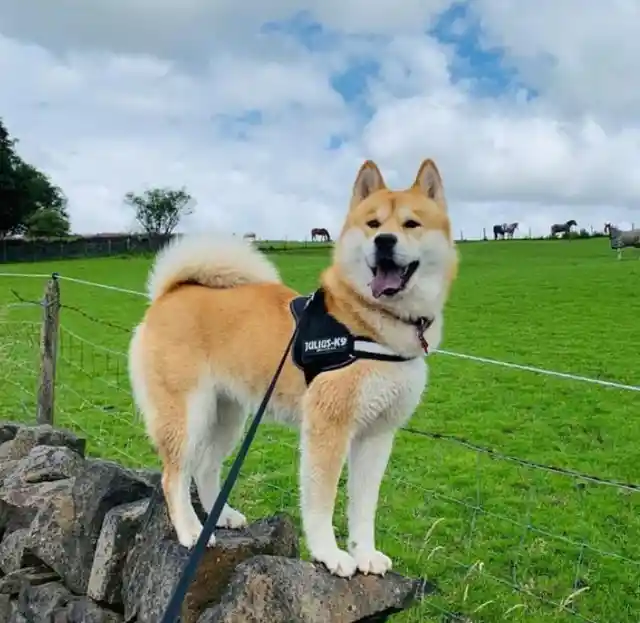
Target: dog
219	321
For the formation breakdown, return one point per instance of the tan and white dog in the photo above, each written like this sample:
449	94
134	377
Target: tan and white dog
219	322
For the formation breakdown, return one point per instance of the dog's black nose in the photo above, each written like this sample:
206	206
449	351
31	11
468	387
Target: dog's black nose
385	242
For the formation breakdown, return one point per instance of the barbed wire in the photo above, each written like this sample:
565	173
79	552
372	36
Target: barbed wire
77	310
94	398
524	462
475	358
414	431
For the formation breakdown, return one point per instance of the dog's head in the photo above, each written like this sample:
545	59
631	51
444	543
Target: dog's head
396	248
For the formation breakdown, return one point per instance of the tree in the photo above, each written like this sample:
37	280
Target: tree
159	210
23	189
47	223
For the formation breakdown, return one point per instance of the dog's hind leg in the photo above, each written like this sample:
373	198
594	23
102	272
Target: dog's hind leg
165	412
218	434
174	443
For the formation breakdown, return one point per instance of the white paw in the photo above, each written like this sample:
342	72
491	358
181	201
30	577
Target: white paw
337	561
188	538
371	561
231	518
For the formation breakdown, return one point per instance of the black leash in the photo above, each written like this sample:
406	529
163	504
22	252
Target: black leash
174	606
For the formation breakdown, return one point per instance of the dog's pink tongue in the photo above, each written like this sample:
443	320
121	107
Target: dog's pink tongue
384	281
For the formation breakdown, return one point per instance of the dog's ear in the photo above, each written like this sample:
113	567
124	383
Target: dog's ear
429	182
368	181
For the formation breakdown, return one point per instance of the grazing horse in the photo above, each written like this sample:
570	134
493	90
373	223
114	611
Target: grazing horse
249	236
320	232
563	228
620	239
499	231
510	229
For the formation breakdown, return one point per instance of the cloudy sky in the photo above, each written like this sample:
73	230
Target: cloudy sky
265	110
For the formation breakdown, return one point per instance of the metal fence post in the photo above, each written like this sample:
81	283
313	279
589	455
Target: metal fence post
48	351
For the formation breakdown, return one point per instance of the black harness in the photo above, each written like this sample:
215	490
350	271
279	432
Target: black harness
322	343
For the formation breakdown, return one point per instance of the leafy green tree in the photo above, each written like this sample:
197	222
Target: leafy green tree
23	189
159	210
48	223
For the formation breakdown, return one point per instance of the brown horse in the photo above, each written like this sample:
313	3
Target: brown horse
320	232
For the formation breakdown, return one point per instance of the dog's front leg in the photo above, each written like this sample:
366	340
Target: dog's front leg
324	441
368	458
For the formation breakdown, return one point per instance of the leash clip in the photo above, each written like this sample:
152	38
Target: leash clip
421	326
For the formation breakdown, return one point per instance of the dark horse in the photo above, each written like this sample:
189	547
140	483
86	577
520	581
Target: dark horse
506	228
320	232
499	231
563	228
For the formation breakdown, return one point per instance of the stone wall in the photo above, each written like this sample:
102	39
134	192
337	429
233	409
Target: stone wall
82	539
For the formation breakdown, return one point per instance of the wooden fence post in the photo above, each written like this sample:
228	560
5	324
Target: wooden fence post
48	350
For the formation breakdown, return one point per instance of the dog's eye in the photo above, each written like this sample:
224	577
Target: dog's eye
410	224
374	224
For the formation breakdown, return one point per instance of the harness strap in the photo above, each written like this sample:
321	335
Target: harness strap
368	349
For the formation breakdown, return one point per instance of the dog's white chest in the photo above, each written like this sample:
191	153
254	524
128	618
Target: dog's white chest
391	393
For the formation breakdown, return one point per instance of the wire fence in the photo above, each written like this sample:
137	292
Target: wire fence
16	250
495	536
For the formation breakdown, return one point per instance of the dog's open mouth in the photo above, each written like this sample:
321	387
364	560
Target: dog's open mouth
390	278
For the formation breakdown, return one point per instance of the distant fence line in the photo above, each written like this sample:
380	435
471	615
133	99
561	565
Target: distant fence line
16	250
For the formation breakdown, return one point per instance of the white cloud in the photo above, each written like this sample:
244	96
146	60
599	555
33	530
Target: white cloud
106	100
583	56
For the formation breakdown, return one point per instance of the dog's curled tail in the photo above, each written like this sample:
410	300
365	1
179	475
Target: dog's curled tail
214	261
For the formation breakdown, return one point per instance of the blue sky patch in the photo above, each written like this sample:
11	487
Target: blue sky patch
352	82
301	27
484	69
335	142
237	126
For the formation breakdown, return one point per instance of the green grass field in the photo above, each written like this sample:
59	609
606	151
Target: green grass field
501	541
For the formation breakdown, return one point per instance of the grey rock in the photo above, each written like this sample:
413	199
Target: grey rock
269	588
27	438
17	617
42	604
116	538
8	431
7	608
53	603
12	583
20	503
63	534
14	552
150	476
155	563
7	467
84	610
45	464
